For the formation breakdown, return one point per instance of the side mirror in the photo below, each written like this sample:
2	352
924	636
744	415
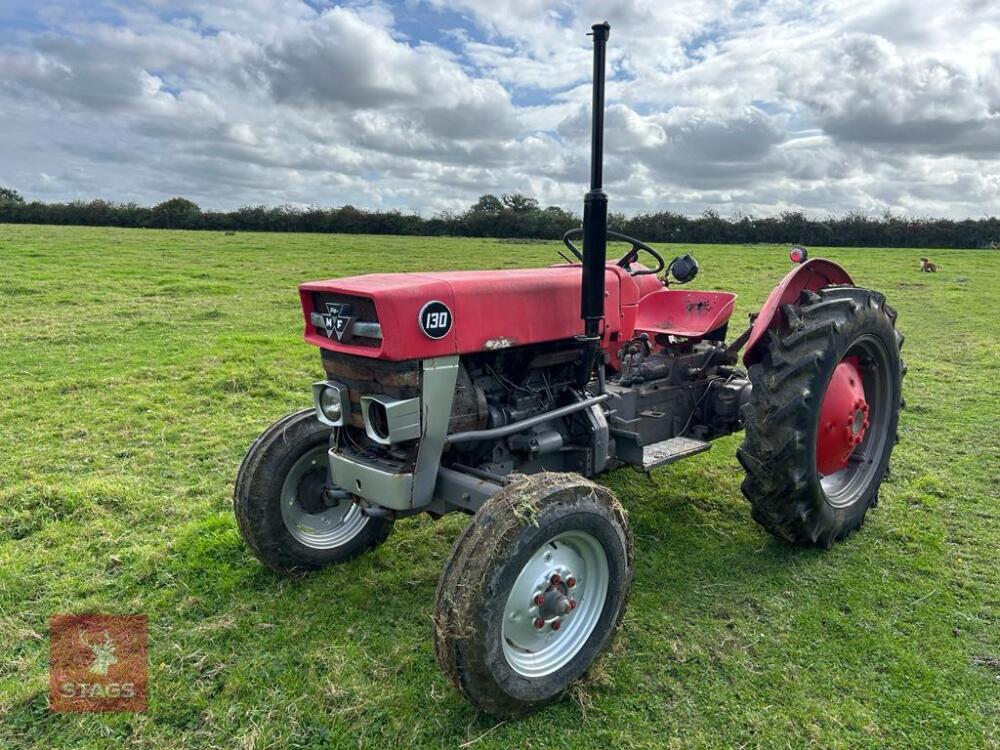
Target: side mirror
683	268
798	254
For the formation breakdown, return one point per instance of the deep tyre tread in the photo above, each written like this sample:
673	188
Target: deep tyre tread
485	560
789	380
256	500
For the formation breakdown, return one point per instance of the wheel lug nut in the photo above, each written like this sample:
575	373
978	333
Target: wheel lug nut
572	604
571	582
555	579
539	600
539	623
556	624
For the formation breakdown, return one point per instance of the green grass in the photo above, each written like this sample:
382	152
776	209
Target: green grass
137	366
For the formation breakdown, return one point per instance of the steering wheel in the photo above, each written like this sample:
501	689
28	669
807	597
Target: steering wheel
627	259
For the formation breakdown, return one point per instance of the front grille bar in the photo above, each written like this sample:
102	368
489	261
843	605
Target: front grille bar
361	328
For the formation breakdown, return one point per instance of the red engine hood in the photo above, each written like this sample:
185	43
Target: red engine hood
489	309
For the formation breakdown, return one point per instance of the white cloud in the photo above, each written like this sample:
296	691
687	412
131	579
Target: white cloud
820	105
919	103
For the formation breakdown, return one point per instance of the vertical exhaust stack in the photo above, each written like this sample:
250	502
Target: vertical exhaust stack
595	214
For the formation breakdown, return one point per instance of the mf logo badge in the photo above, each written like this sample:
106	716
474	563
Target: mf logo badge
337	319
97	662
435	319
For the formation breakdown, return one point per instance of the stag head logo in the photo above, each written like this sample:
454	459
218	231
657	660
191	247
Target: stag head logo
104	654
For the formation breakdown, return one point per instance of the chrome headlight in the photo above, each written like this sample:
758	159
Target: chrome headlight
333	407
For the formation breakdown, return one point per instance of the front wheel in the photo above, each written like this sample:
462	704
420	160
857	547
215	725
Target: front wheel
823	414
288	512
533	592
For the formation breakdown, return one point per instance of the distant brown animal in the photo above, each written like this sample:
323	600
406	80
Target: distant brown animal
927	267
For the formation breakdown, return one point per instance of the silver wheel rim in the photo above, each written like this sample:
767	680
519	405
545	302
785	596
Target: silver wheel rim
541	639
843	488
331	528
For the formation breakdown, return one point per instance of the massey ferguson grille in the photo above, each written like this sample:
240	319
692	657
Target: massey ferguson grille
346	319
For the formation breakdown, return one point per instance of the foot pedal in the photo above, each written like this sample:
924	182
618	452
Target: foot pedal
667	451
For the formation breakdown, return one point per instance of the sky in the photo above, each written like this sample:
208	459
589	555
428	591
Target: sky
740	106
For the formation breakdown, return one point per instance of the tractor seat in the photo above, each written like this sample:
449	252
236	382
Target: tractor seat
688	313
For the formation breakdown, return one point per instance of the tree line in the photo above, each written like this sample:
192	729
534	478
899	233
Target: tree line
517	216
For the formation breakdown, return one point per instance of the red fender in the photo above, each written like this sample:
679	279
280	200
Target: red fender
812	275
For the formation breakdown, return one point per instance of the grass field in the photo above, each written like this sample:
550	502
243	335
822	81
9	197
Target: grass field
137	366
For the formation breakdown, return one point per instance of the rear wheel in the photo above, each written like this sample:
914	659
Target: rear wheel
289	513
533	592
822	419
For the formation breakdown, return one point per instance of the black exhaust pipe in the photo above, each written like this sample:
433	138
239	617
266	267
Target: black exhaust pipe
595	216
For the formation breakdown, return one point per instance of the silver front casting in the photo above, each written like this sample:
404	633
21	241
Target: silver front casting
381	486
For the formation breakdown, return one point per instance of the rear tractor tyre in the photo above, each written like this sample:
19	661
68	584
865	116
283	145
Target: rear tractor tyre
290	515
822	418
533	592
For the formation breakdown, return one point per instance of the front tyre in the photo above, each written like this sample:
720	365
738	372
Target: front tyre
289	514
822	418
533	592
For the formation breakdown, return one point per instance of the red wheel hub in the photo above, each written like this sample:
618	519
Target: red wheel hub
843	417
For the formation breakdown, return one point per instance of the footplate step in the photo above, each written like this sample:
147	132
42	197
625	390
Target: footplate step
667	451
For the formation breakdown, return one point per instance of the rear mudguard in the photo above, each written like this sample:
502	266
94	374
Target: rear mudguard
812	275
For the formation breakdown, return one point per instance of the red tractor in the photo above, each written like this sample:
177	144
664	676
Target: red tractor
486	392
